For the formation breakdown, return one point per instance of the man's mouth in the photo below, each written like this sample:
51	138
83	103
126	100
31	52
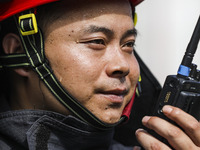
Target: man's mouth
115	95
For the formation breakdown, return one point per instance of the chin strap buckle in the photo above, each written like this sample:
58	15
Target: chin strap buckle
28	24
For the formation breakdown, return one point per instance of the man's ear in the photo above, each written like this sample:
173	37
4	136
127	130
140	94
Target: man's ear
12	44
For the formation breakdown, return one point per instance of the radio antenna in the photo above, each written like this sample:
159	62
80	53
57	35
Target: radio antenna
186	63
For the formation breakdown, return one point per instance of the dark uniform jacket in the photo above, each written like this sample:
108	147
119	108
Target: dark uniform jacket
45	130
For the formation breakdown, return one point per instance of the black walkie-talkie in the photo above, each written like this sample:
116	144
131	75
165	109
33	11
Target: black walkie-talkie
182	90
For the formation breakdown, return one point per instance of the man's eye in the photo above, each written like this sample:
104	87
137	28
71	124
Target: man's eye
96	41
130	44
96	44
129	47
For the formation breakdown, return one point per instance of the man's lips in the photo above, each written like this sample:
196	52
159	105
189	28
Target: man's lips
116	92
115	95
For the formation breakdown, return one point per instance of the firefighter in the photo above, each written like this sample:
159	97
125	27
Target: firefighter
68	74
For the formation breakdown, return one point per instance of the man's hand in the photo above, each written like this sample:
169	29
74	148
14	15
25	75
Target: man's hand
186	139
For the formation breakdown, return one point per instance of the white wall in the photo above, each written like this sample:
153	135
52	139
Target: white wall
164	30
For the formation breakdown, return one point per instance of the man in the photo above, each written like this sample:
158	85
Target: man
84	55
72	75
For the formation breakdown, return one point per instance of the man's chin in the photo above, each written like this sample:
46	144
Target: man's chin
110	119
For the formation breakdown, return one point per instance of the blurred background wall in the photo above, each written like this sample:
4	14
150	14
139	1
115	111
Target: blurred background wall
164	30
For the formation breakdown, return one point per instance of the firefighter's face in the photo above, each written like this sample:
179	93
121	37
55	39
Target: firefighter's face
90	50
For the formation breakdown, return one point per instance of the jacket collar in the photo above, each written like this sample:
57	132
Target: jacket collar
41	129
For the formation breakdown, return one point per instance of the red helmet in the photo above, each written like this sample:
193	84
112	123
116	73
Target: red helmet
12	7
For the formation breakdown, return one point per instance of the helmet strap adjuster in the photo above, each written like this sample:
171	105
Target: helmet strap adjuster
28	24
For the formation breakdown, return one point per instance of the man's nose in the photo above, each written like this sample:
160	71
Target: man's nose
118	65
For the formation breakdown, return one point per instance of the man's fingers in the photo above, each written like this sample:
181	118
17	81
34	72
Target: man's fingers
148	142
188	123
175	136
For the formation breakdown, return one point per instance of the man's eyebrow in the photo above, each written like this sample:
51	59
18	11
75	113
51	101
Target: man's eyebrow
93	29
131	32
108	32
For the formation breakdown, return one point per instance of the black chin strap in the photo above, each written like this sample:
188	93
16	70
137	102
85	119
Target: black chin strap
34	51
13	61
